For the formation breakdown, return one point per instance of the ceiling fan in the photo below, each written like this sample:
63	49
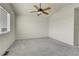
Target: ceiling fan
40	10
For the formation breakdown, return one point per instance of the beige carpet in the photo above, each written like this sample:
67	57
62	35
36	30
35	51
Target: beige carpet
42	47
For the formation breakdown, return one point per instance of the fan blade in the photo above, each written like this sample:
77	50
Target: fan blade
45	13
47	8
36	7
33	11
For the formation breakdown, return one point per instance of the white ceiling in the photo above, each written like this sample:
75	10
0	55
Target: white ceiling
25	8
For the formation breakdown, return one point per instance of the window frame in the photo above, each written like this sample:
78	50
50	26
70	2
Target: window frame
8	21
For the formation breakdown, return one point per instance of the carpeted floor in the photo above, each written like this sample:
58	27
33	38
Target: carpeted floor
42	47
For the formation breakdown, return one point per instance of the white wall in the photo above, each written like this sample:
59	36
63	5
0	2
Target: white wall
62	24
76	29
7	39
29	26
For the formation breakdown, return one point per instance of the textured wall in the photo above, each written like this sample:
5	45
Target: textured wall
62	25
31	27
7	39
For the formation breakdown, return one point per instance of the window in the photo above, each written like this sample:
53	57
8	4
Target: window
4	21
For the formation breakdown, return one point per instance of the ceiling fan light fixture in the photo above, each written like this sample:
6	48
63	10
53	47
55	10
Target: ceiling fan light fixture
39	12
